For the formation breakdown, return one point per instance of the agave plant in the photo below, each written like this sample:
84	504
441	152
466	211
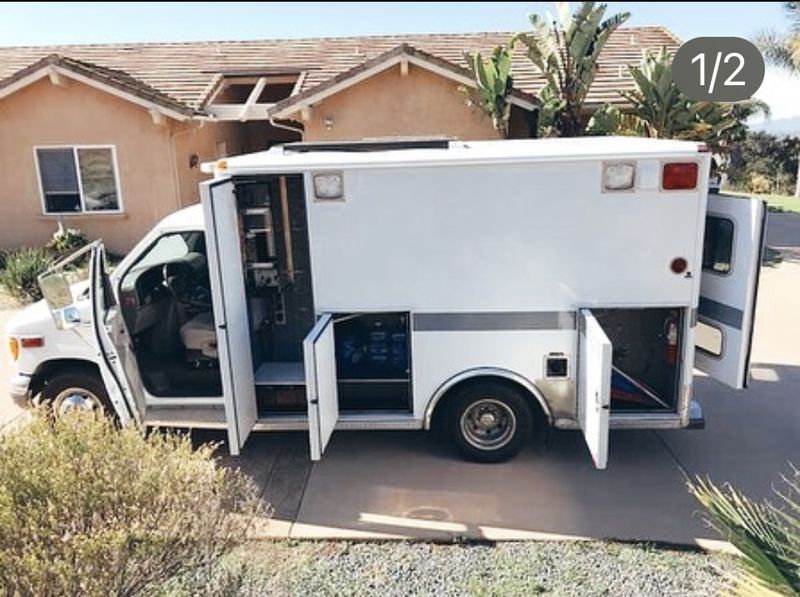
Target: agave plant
493	84
767	535
566	51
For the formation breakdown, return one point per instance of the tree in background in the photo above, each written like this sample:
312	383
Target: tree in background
764	163
784	51
493	84
566	51
660	110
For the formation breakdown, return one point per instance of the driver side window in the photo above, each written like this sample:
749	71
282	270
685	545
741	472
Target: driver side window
167	248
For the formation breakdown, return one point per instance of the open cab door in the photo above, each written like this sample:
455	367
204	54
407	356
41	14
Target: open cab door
319	354
594	385
106	329
732	248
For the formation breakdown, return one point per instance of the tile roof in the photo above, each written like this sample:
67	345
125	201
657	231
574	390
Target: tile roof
462	73
187	72
105	76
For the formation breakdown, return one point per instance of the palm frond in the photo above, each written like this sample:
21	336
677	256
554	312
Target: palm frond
768	545
777	49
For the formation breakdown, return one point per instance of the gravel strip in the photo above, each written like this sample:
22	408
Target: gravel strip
532	568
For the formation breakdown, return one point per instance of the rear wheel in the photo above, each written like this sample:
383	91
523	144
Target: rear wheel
76	392
489	421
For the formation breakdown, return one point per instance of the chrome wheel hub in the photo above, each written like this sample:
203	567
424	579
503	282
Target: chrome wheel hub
488	424
76	400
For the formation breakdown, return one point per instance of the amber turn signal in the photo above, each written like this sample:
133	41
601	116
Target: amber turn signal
13	347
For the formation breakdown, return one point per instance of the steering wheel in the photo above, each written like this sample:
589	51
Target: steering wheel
178	278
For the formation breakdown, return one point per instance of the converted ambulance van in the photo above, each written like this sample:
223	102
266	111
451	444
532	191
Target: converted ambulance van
489	289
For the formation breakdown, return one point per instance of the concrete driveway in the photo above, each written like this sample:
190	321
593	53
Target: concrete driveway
408	484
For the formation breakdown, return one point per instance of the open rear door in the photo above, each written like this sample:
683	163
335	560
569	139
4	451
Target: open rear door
230	309
323	402
120	377
732	249
594	385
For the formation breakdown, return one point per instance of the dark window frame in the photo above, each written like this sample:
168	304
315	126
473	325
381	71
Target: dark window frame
731	254
82	204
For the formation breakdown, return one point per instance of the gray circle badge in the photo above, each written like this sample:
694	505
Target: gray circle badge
720	69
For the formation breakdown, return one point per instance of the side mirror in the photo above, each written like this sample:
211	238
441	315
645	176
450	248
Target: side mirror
58	295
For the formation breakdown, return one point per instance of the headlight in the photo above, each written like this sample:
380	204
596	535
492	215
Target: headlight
13	347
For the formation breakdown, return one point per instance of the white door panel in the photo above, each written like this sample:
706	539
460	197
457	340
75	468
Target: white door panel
230	309
124	390
594	386
319	353
731	261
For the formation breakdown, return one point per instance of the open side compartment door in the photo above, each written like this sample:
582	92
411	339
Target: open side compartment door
230	309
732	248
594	385
319	353
120	376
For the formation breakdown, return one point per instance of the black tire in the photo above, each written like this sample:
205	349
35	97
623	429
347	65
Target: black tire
88	386
489	421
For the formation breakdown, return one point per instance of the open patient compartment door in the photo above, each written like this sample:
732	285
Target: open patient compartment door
230	309
594	385
732	249
319	353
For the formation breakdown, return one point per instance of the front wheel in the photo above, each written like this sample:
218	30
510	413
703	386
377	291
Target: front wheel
76	392
489	422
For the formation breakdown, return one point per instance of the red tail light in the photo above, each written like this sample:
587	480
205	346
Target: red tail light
679	176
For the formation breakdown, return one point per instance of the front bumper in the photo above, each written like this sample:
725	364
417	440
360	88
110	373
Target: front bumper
20	388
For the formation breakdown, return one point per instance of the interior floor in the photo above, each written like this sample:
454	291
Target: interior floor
176	378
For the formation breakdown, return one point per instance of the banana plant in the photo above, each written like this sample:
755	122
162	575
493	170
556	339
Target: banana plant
493	84
566	49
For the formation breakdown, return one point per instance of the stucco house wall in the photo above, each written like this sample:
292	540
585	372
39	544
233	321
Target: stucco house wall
389	104
44	114
196	142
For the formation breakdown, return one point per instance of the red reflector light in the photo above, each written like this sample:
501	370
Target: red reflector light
678	265
679	176
31	342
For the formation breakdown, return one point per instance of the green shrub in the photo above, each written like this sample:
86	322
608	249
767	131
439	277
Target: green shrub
21	268
759	184
66	241
88	509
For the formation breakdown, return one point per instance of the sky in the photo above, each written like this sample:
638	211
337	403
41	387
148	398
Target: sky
45	23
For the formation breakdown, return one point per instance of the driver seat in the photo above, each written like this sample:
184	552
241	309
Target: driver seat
199	335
